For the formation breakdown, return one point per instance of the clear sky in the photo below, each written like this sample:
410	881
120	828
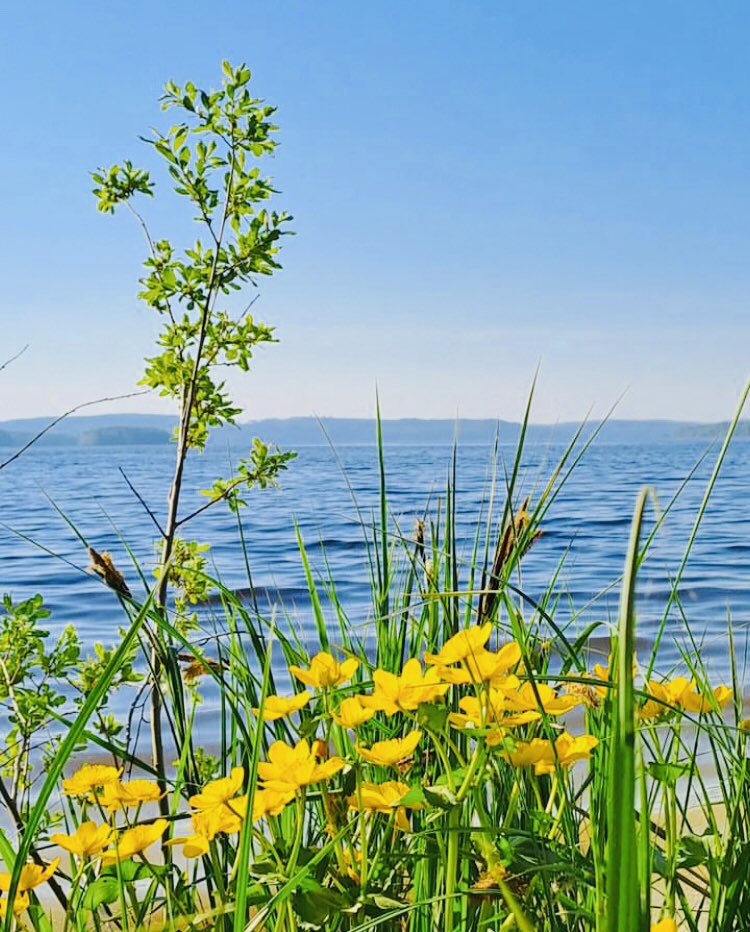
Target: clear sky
478	187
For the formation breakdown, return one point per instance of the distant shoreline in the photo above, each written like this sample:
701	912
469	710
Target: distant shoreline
156	430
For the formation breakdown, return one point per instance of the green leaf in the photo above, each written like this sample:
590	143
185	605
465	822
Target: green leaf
440	796
130	870
314	903
415	797
432	716
691	852
102	890
669	773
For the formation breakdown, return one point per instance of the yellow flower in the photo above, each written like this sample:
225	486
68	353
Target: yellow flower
570	749
325	671
88	839
544	757
32	875
135	840
539	697
89	777
116	795
206	825
667	924
391	753
227	818
484	666
352	714
489	709
693	701
680	693
193	846
407	692
269	802
532	753
465	644
379	797
278	706
20	903
288	769
219	791
383	797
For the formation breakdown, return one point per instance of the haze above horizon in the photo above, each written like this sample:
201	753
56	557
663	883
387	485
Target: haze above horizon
477	188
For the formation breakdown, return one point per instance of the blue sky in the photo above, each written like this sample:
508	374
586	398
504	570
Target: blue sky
478	187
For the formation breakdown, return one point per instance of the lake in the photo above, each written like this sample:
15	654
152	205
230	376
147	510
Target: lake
587	526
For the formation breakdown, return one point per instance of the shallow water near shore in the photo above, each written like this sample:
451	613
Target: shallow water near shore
587	527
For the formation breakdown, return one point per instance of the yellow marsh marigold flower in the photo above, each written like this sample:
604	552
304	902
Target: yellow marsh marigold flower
489	709
278	706
603	673
117	795
351	713
325	671
88	839
32	875
569	750
680	693
135	840
89	777
693	701
391	753
217	792
525	699
543	757
404	693
287	769
667	924
206	825
530	753
193	846
385	798
20	904
226	819
465	644
484	666
269	802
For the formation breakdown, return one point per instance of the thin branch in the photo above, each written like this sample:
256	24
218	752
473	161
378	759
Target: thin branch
152	249
56	421
141	500
218	498
13	358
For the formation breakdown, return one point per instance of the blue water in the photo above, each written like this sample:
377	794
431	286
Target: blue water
587	528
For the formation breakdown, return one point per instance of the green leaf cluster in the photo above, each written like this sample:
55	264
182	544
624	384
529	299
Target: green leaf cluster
210	157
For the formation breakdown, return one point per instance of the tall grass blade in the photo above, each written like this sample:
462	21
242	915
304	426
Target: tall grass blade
623	897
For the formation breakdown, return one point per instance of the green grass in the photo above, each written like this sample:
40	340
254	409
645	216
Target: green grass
650	823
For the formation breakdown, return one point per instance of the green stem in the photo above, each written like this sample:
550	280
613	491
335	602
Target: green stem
451	866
